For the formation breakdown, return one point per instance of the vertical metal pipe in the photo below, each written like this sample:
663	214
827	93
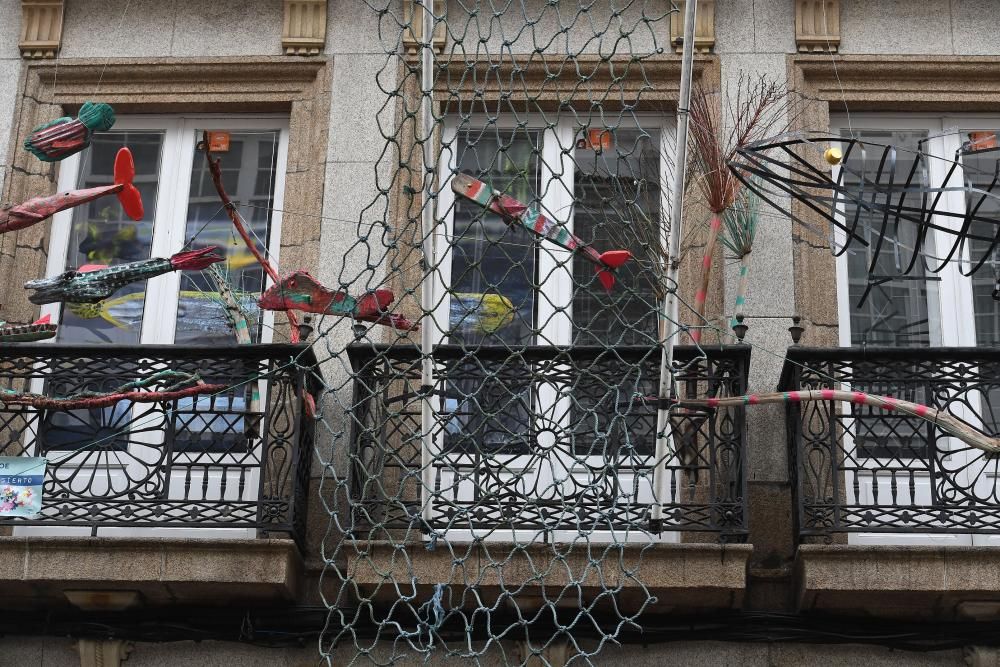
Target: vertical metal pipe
427	286
669	312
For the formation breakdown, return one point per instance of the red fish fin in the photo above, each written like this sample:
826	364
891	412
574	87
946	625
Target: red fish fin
44	320
87	268
611	259
128	196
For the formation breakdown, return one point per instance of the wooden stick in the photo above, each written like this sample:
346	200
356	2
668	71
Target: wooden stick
947	423
216	170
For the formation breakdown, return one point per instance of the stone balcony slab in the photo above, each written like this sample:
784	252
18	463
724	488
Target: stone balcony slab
683	577
37	571
900	581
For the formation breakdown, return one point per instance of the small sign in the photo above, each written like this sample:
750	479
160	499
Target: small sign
597	140
21	479
218	142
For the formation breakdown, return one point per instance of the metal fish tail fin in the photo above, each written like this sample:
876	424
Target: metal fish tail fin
128	196
611	259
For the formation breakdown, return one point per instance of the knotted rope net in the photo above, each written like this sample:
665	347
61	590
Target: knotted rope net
493	480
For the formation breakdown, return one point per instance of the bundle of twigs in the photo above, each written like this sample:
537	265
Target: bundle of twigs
758	108
740	222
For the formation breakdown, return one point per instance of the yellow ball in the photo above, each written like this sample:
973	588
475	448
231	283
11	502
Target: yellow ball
833	155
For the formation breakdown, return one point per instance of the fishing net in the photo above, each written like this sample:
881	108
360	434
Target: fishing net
494	480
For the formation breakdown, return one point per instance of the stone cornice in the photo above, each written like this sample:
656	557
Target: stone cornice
929	83
584	79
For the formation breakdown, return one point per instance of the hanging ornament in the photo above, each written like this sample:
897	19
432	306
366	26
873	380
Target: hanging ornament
300	291
23	333
93	282
67	136
516	213
35	210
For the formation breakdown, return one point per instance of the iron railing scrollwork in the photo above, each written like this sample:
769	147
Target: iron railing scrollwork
543	441
236	458
861	469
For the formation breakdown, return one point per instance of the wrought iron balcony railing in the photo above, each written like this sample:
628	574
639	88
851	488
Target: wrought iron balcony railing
235	457
861	469
544	444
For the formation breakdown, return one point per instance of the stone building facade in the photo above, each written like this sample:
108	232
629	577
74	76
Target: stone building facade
314	69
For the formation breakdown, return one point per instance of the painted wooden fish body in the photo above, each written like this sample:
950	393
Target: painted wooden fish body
41	329
515	212
62	137
35	210
90	284
300	291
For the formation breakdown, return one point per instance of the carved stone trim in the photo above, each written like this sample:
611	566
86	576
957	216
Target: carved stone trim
303	31
103	653
413	34
817	25
41	28
704	29
554	82
276	84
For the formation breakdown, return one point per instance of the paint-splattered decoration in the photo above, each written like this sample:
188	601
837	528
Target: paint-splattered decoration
67	136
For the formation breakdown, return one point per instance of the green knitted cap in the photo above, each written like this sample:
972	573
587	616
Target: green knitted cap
98	117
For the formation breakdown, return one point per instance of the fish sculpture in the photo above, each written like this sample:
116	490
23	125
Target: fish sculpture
94	282
24	333
35	210
300	291
481	313
62	137
515	212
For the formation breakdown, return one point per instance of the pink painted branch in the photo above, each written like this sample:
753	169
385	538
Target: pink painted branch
715	226
944	421
47	403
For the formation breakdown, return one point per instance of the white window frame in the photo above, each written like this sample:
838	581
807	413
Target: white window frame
554	267
954	295
159	320
176	164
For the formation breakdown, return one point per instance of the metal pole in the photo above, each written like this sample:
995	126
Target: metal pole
427	410
669	312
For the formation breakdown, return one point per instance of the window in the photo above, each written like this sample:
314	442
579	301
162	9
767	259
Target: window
889	453
501	290
182	212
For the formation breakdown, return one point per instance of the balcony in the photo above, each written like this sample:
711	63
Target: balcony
893	514
546	451
138	482
490	448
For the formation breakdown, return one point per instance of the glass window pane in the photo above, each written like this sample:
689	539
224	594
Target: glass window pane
979	168
900	312
617	193
248	173
493	285
102	234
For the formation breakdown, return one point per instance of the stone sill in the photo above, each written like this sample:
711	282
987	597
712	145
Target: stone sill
684	577
900	581
35	571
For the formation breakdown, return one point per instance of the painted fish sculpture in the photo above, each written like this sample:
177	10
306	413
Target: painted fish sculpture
62	137
35	210
481	313
94	282
515	212
300	291
24	333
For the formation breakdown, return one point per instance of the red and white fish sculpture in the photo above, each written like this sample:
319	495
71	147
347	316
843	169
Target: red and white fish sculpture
300	291
35	210
516	212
